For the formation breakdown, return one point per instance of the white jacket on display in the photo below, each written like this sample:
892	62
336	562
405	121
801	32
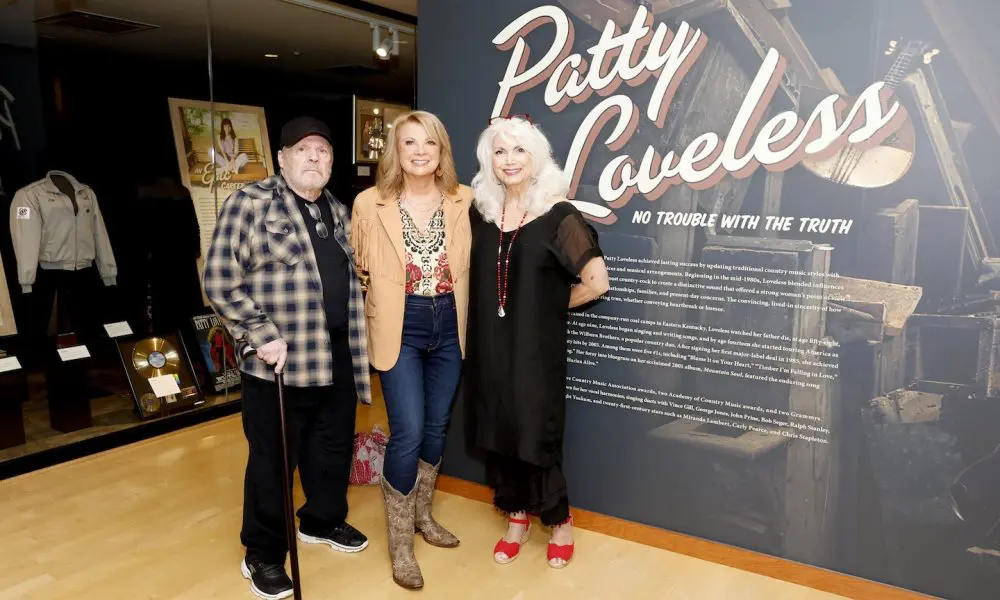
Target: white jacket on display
48	232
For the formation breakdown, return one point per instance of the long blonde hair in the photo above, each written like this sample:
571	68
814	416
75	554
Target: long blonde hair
549	183
389	175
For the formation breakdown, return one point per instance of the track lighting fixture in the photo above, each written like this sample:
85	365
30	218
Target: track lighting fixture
389	46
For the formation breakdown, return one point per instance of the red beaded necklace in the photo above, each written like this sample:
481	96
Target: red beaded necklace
502	295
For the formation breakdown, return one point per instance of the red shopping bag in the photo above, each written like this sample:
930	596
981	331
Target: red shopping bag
369	455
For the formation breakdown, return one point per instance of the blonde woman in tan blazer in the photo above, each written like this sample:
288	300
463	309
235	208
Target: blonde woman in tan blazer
411	236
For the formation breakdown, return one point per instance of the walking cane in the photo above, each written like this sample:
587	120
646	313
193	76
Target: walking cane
293	549
286	472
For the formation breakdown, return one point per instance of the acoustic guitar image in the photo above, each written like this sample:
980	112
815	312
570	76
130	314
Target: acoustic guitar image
888	162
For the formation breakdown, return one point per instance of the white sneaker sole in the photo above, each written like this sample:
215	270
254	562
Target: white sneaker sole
308	539
253	588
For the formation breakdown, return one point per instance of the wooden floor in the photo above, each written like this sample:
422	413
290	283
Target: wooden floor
160	519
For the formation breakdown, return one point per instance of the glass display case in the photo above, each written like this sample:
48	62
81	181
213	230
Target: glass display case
124	127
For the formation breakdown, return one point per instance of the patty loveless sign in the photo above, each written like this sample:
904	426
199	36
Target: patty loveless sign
645	51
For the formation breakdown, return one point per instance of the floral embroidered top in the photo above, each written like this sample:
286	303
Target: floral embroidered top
427	270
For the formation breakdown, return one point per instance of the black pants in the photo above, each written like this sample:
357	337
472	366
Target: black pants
80	295
521	486
78	292
320	425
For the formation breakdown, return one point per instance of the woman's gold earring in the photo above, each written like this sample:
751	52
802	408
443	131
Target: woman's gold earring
439	172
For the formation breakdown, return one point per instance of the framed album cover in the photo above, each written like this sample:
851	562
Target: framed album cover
160	375
216	364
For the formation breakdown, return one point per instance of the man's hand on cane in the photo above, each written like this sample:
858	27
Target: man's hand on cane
274	353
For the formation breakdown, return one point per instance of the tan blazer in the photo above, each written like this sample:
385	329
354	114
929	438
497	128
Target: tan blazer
377	239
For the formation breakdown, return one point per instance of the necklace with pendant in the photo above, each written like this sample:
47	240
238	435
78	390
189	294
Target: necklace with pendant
502	294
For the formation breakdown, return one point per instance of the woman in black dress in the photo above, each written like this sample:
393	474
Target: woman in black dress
533	258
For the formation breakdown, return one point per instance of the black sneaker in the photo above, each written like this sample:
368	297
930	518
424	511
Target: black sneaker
266	581
341	537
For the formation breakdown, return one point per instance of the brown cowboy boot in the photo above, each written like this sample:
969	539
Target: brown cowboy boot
399	510
433	532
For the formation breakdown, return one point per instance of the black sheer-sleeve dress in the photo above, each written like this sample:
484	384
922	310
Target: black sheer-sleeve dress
516	364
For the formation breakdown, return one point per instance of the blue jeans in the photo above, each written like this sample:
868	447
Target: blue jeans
420	388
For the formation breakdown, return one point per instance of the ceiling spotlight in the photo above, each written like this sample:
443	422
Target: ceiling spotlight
376	111
270	55
385	47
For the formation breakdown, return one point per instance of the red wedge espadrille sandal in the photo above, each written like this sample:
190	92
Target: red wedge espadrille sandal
505	552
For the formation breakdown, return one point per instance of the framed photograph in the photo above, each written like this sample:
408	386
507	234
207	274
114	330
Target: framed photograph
372	121
160	375
7	325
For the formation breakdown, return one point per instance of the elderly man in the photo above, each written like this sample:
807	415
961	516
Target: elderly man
280	274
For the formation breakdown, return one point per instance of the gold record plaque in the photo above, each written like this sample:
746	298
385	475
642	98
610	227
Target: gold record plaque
150	357
155	357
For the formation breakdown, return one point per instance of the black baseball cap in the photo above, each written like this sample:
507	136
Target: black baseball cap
301	127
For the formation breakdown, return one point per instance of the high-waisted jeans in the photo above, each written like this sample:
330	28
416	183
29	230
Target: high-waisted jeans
420	388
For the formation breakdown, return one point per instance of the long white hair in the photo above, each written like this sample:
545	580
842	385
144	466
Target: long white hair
549	183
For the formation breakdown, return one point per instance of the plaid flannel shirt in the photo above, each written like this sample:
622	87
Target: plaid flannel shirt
262	280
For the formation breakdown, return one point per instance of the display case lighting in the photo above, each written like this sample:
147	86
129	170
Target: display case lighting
384	47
